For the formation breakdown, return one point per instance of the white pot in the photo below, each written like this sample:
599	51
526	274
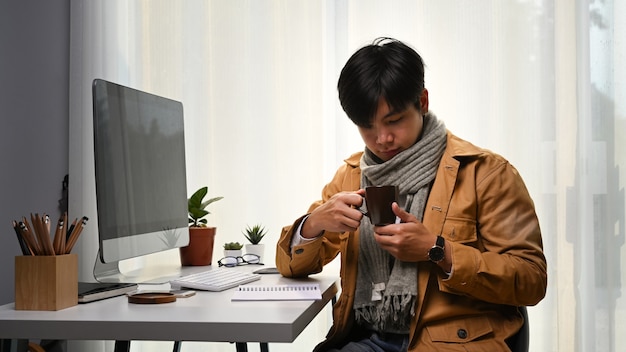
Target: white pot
257	249
233	252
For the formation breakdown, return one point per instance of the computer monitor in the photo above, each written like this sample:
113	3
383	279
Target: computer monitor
140	174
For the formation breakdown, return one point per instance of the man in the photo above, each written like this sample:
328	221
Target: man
467	250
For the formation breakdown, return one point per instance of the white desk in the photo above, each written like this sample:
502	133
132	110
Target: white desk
207	316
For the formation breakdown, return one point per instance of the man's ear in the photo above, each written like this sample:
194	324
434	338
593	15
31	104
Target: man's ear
424	101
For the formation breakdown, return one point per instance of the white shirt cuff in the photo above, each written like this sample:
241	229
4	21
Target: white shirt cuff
297	238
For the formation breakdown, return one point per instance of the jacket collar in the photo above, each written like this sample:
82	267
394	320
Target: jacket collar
457	148
354	160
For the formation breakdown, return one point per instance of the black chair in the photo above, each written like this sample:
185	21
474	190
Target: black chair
520	341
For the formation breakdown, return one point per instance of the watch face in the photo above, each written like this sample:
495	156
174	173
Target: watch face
436	254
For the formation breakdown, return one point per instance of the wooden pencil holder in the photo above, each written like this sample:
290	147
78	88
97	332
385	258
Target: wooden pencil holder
46	282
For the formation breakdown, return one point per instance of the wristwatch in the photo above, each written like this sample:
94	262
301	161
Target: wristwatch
437	253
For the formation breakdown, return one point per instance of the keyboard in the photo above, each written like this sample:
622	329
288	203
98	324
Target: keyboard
217	279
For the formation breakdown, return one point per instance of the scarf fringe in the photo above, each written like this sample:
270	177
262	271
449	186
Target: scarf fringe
392	314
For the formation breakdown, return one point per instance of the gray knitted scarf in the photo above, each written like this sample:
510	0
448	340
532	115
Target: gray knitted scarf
386	287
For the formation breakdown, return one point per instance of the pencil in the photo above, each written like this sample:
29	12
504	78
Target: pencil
75	233
27	230
46	219
70	230
20	239
37	233
62	240
45	234
29	238
46	223
58	233
70	233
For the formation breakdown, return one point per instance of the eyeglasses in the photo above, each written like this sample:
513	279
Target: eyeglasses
240	260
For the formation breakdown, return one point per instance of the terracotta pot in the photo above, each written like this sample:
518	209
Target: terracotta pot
200	248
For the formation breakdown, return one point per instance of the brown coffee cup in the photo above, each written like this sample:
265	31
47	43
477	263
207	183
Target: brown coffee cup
378	200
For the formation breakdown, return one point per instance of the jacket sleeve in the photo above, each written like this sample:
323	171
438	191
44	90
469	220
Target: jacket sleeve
310	257
503	261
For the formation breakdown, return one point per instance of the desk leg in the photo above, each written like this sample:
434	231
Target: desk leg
241	347
122	346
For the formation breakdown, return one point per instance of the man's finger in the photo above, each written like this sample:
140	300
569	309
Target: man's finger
402	214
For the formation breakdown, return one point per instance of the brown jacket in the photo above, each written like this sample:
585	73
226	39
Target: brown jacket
480	204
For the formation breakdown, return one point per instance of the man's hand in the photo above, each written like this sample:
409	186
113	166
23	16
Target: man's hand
338	214
410	240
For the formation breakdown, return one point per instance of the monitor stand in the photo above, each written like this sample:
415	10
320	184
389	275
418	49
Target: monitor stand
159	273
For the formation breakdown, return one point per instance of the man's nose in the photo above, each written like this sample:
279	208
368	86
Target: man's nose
383	136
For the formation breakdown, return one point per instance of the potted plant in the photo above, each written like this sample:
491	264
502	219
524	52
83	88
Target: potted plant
199	251
254	235
232	249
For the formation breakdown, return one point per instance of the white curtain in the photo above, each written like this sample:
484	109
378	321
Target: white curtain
540	82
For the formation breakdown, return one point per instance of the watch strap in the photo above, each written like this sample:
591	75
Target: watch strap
441	242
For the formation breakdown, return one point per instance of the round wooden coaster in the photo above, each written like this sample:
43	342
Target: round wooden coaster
152	298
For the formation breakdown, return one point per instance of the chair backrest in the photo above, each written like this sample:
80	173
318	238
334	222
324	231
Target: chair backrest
520	341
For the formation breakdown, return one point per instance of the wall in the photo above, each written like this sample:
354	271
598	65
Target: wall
34	108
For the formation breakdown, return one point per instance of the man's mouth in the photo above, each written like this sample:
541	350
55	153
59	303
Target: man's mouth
389	153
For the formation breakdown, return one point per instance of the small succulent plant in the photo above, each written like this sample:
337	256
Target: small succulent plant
255	233
233	245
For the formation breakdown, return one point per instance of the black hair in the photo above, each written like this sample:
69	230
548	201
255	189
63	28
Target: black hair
387	69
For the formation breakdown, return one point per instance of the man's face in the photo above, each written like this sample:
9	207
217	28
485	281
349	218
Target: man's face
392	132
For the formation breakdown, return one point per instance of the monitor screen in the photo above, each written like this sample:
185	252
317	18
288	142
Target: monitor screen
141	188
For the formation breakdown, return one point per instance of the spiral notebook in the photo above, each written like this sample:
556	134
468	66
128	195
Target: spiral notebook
290	292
